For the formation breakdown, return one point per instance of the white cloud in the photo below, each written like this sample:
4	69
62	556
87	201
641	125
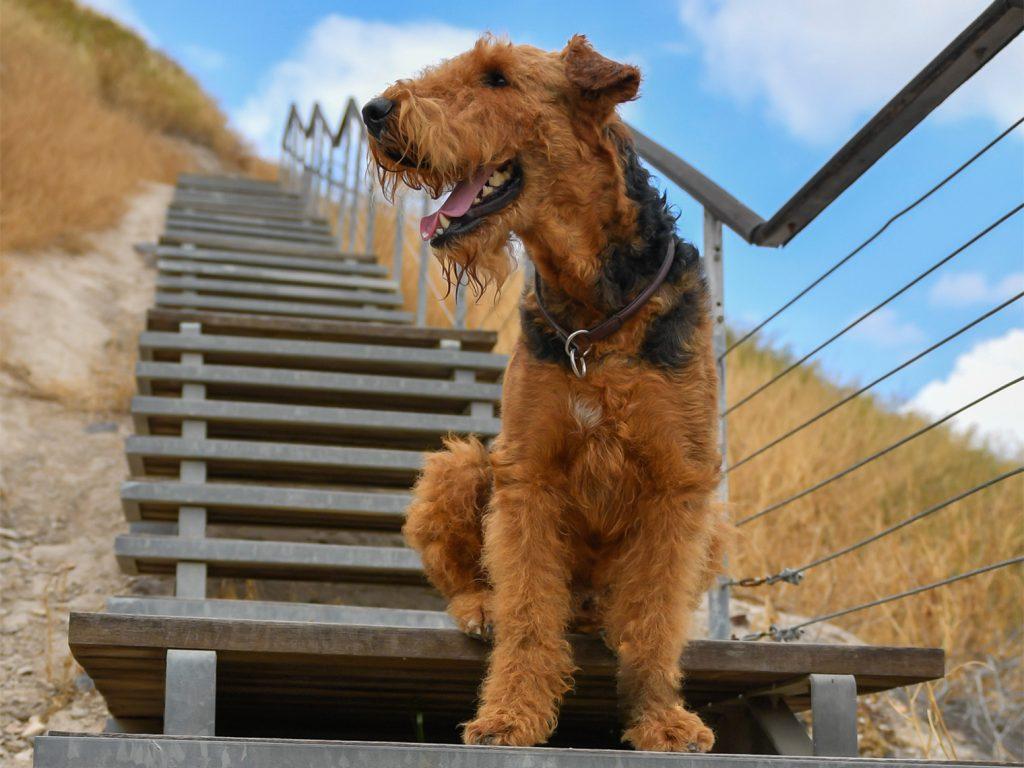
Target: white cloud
125	13
820	67
342	57
965	289
201	57
886	329
999	421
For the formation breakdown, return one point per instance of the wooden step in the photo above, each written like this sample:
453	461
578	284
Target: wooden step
183	200
315	329
251	244
315	387
268	275
264	460
287	308
226	418
196	224
248	559
77	750
309	224
278	291
323	355
337	672
208	181
344	507
243	202
261	610
355	265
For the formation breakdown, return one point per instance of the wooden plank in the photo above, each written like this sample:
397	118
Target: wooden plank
195	224
250	458
274	290
252	244
342	264
287	308
261	610
269	275
316	386
325	354
248	559
71	750
308	224
320	668
164	413
184	201
366	508
208	181
226	324
242	202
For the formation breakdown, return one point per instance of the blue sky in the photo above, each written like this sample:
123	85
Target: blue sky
757	95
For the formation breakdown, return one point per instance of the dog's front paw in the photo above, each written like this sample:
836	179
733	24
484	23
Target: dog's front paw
672	730
505	729
472	612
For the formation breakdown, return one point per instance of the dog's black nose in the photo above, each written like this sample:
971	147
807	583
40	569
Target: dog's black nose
375	114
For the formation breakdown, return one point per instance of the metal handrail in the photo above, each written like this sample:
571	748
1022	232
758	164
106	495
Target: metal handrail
971	50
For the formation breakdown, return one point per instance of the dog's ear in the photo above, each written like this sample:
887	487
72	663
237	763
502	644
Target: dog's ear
601	83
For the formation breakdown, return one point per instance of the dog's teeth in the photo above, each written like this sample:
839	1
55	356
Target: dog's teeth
445	221
498	178
439	231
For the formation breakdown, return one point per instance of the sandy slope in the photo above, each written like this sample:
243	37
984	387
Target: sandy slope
68	327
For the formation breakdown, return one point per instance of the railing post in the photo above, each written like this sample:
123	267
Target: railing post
371	212
354	210
396	265
719	627
421	283
460	305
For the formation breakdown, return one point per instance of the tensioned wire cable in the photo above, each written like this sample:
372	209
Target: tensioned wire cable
891	297
874	236
876	454
795	575
874	382
792	633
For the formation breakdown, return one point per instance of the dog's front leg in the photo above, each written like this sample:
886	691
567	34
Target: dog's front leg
653	583
531	664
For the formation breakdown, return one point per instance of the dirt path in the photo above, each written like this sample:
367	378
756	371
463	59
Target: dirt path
68	327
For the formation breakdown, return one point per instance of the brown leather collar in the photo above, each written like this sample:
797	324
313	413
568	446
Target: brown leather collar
608	326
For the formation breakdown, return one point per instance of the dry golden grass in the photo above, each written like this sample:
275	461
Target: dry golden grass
87	111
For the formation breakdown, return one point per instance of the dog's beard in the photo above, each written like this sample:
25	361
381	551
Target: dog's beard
478	260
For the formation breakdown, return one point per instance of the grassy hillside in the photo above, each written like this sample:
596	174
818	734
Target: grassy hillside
87	112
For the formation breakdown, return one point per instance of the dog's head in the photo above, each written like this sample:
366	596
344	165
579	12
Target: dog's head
514	134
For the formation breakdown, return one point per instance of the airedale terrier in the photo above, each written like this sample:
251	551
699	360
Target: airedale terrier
592	508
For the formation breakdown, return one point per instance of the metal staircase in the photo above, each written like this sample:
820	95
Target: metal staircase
285	402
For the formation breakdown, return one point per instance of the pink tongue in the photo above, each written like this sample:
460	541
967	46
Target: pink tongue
458	201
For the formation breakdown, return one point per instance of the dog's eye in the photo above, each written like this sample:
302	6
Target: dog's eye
495	79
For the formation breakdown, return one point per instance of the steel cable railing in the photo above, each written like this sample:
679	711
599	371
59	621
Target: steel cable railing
876	455
794	632
874	382
864	316
874	236
795	575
